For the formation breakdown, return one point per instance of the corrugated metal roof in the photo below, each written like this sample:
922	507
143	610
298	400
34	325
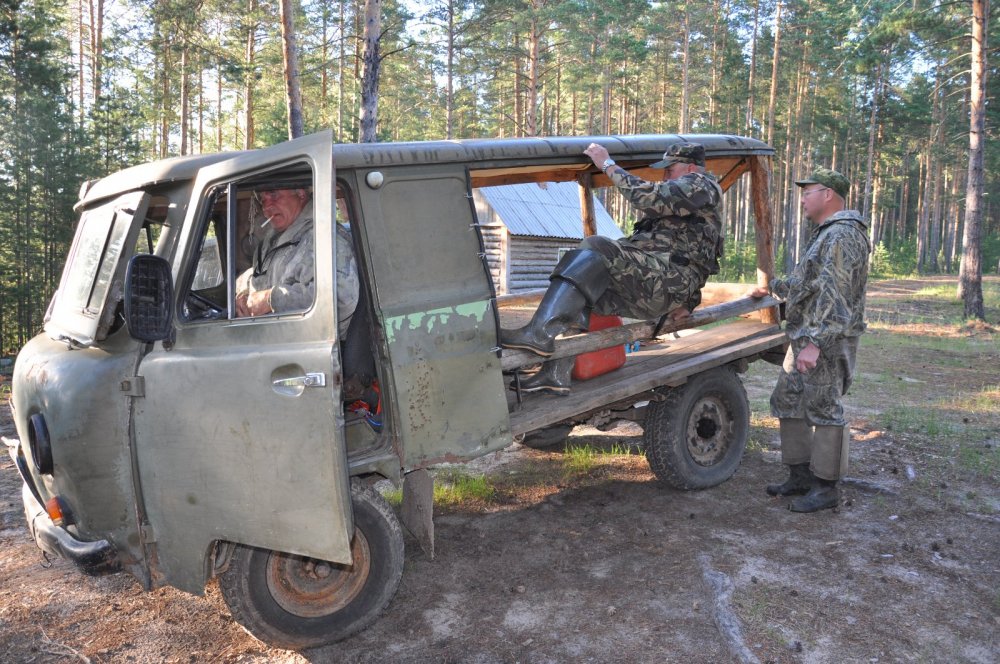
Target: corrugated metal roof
548	210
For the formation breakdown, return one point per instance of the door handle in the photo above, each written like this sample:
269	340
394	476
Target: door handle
311	379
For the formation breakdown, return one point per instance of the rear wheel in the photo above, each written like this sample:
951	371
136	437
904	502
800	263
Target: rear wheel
695	438
297	602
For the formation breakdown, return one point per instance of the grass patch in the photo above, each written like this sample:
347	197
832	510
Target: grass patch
986	401
393	496
885	336
949	293
453	487
579	459
943	292
582	459
979	459
916	419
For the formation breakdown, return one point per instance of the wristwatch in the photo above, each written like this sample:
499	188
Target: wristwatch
608	163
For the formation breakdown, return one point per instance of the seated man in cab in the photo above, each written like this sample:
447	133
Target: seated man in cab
657	271
283	277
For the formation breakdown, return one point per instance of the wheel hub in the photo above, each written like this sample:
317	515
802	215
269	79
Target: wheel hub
709	430
311	588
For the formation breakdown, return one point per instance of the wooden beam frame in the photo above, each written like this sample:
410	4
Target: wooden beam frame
614	336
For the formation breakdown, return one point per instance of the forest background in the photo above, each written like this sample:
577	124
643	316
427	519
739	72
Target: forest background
880	90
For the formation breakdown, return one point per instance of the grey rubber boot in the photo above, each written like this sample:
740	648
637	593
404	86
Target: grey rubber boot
822	496
800	481
577	282
555	376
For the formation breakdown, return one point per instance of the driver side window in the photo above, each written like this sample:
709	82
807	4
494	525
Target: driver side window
255	255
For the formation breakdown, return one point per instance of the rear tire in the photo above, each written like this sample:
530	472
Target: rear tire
695	438
296	602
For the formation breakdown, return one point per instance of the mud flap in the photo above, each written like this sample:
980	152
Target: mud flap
418	508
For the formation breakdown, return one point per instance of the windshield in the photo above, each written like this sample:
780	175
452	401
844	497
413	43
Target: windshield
95	269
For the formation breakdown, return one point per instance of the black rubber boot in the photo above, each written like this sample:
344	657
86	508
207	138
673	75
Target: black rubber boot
577	281
822	496
800	481
561	307
555	376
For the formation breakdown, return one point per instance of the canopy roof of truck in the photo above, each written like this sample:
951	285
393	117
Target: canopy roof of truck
490	161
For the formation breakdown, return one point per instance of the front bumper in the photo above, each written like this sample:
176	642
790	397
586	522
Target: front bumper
94	558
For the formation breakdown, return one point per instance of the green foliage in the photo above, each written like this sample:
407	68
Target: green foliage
991	253
602	68
899	261
38	171
739	264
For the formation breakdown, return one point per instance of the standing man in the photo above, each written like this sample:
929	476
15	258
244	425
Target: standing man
659	270
824	312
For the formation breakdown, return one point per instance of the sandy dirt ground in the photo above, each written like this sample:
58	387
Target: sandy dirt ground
605	564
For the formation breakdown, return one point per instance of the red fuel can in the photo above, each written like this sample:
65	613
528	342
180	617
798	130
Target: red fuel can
593	364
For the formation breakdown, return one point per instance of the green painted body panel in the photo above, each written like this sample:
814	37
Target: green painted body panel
434	296
78	392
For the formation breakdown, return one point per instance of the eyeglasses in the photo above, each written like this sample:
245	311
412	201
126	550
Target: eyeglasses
813	191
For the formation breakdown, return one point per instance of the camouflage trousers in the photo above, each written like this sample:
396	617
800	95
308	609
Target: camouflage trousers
815	396
643	284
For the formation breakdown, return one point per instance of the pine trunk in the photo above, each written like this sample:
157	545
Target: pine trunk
772	98
753	68
970	276
293	91
450	92
872	130
683	122
370	77
185	99
248	136
531	110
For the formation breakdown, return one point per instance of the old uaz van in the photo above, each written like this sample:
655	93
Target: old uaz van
162	434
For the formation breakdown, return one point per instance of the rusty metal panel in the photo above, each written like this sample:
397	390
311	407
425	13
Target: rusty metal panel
435	305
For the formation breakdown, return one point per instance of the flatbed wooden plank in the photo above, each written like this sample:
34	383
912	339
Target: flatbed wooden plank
654	366
581	343
713	292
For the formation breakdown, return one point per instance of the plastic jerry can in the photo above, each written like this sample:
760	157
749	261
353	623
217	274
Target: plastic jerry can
598	362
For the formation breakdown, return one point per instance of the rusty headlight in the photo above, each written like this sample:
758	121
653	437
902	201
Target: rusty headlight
40	444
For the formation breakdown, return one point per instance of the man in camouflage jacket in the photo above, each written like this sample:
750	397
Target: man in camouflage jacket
659	270
824	312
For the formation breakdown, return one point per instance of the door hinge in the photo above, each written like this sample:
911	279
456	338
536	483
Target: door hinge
134	386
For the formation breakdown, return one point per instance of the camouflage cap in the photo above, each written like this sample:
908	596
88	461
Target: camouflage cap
682	153
828	178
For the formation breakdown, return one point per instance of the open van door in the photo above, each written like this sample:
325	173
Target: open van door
238	423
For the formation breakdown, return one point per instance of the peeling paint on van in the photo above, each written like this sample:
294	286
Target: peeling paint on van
434	320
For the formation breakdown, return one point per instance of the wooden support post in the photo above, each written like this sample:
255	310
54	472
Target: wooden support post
760	186
586	181
418	508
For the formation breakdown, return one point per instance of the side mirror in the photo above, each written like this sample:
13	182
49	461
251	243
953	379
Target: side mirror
149	294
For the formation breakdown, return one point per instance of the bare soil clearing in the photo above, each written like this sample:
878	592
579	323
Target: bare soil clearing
603	564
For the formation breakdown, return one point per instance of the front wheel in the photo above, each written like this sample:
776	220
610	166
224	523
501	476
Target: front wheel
296	602
695	438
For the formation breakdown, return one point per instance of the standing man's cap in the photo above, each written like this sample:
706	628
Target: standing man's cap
830	179
682	153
